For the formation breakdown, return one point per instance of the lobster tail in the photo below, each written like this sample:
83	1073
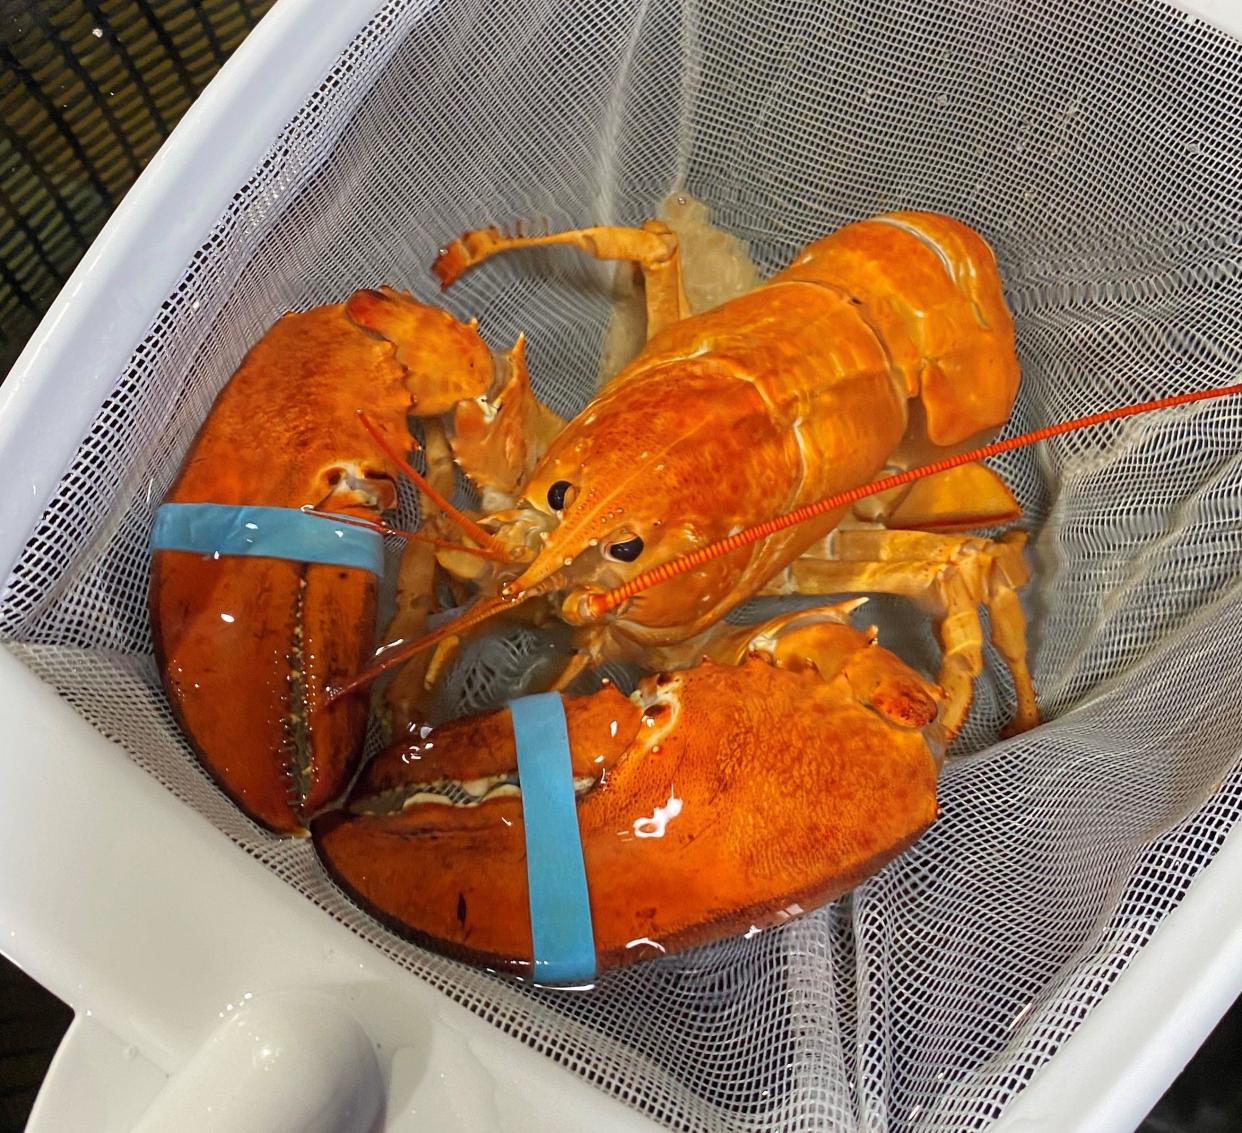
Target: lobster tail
927	286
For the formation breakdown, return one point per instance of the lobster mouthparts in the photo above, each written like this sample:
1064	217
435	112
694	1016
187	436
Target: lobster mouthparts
713	801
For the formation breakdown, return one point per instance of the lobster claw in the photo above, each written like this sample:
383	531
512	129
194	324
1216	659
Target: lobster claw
713	801
247	646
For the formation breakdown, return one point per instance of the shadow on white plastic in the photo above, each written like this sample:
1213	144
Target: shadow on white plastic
286	1062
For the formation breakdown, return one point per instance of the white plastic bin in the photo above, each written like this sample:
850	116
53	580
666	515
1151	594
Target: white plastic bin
132	891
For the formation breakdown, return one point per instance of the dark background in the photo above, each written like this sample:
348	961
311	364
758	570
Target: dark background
88	91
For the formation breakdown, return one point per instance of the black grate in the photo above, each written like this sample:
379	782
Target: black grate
88	91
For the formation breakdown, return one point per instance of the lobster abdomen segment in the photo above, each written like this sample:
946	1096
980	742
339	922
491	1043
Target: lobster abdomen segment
929	288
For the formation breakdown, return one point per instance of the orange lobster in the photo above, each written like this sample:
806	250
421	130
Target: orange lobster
795	762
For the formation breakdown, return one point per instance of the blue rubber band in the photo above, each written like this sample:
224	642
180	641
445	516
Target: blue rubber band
560	910
266	532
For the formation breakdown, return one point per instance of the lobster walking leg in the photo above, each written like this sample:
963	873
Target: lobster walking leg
653	248
405	695
1009	574
949	576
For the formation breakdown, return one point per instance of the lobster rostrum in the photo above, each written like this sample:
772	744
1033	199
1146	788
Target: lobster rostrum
759	771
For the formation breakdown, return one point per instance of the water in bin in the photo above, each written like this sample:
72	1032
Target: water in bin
925	998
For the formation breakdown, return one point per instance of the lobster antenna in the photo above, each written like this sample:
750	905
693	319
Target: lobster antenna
600	603
401	533
398	651
467	525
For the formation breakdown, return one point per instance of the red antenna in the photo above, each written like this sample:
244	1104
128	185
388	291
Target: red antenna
467	525
399	651
409	536
602	602
599	604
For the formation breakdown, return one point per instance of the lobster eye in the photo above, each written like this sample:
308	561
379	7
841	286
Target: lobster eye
627	550
557	494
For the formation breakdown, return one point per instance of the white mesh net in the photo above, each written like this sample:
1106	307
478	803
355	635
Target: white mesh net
1095	146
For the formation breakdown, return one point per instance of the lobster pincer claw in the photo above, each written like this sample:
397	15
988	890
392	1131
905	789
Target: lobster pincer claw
251	629
711	802
248	690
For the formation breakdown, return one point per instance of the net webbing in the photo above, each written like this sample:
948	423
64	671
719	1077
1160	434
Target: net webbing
1096	147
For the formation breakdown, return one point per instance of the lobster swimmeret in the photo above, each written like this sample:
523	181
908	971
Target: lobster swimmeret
759	772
